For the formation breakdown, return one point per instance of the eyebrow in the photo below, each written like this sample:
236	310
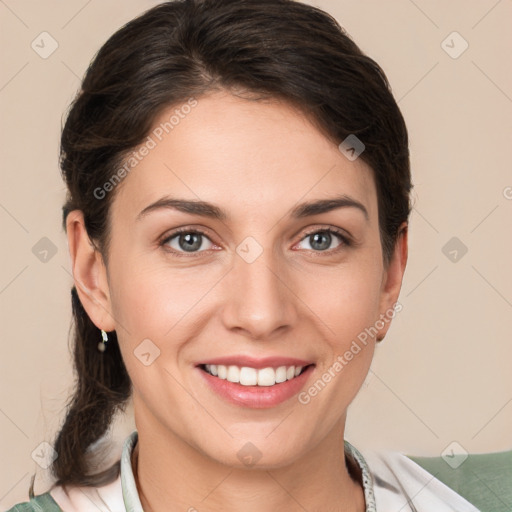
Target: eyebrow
209	210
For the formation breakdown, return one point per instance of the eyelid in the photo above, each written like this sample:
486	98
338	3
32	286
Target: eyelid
332	229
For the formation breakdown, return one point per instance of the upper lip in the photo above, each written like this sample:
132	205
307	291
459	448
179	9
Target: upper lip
254	362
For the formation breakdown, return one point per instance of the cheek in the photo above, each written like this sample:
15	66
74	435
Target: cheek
346	303
150	299
159	310
345	300
349	309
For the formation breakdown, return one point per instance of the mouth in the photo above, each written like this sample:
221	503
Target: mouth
248	376
265	386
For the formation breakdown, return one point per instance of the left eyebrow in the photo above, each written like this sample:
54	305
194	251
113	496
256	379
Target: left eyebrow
326	205
212	211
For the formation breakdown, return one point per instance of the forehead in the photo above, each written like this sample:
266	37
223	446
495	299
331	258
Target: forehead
250	157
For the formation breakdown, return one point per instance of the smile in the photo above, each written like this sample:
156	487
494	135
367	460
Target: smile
254	382
247	376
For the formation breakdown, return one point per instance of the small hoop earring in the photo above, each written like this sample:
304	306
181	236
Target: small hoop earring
102	345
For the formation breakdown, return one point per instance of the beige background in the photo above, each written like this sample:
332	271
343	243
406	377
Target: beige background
443	372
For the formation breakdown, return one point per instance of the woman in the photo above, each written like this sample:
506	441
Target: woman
238	177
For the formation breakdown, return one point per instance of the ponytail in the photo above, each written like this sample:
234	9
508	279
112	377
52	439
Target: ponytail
102	387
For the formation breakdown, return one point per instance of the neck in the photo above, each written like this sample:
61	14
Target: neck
171	476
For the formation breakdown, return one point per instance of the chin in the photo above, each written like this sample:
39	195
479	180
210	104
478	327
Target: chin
260	453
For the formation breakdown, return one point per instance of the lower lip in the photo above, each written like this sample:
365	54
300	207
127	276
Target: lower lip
257	397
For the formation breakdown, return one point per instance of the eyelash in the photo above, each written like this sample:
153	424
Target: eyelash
346	242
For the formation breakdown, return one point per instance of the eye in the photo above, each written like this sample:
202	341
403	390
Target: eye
321	240
187	241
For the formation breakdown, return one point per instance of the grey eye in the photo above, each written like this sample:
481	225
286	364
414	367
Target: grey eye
190	241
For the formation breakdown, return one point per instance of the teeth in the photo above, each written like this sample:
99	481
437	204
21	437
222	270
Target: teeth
222	371
251	376
248	376
281	374
233	374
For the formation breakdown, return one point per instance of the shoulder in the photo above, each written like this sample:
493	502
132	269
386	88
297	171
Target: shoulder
76	499
73	498
469	482
482	478
42	503
398	481
90	499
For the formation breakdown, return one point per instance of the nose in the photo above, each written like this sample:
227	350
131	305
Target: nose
260	301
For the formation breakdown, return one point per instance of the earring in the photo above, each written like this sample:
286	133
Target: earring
102	345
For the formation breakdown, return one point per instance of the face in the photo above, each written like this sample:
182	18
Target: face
251	282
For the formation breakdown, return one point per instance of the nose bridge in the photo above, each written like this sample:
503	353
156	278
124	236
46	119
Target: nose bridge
260	301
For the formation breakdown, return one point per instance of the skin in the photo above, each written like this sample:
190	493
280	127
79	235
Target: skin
255	160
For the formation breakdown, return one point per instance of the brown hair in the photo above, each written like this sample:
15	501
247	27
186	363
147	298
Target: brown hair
181	49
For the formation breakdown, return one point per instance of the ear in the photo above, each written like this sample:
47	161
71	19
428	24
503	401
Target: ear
392	280
89	273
